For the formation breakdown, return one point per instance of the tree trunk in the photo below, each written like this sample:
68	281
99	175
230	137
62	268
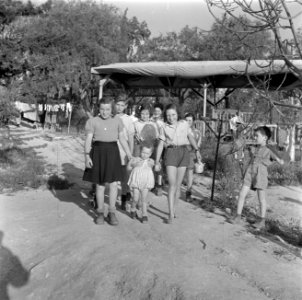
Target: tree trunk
291	146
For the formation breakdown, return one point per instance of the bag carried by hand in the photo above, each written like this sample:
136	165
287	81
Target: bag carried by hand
198	167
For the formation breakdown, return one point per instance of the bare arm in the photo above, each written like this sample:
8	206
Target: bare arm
275	157
199	140
124	144
131	142
130	165
87	148
194	145
151	163
159	151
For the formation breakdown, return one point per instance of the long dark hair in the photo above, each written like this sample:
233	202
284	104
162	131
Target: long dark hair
144	106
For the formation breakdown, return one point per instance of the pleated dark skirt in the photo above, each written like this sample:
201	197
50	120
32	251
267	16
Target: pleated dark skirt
106	161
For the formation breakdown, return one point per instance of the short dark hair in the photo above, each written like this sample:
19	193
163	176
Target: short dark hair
264	130
187	115
121	98
171	106
158	105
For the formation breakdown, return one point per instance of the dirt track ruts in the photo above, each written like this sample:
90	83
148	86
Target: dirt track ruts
67	256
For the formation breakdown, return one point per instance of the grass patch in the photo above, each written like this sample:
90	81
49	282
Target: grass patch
290	232
287	174
20	169
229	176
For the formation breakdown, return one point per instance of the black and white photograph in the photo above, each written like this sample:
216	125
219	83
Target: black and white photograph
150	149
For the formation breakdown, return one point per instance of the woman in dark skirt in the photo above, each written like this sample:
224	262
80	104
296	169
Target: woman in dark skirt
102	157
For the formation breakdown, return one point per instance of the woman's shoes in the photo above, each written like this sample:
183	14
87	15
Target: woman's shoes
112	220
99	219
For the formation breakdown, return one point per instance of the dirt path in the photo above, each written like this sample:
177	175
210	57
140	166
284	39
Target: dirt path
55	251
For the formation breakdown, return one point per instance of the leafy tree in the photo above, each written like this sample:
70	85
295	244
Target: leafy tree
229	39
61	47
12	60
274	17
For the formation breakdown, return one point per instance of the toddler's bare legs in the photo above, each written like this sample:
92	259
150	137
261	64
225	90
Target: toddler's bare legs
144	194
135	199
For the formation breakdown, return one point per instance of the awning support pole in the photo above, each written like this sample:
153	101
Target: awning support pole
216	157
205	89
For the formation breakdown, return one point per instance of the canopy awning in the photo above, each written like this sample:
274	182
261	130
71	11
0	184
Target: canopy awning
192	74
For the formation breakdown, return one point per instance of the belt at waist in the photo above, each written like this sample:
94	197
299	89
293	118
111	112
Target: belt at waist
99	143
176	147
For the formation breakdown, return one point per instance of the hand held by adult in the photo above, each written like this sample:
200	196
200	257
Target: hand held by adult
129	156
88	163
157	167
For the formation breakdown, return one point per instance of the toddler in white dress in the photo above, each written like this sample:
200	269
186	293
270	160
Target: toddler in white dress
141	180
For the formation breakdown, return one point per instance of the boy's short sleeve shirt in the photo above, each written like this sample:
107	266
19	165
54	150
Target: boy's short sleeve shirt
177	134
104	130
128	125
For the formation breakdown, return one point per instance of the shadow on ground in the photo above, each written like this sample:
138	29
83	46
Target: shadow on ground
69	187
288	199
12	271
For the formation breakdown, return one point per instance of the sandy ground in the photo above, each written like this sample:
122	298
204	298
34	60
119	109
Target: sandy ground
51	248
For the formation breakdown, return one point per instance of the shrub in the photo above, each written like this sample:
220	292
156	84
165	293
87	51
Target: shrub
290	232
8	110
286	174
228	171
20	169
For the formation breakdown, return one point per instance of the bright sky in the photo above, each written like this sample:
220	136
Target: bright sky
164	16
167	15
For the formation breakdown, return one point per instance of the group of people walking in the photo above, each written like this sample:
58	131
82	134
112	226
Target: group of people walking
135	153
